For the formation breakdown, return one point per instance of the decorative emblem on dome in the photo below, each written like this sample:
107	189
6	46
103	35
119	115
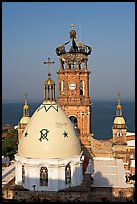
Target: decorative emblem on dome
65	134
44	133
26	134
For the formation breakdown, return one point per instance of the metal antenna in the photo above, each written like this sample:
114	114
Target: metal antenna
80	32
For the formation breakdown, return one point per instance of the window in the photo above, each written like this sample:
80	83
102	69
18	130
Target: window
62	87
118	134
82	88
23	174
68	174
74	120
43	176
128	165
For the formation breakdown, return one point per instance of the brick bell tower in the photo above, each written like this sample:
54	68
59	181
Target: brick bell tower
73	84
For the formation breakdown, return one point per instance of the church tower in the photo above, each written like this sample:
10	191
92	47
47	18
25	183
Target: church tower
73	84
24	120
119	130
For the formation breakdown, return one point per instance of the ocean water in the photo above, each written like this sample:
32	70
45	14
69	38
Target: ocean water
102	116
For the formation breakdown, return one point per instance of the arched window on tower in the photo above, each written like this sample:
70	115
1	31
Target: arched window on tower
43	176
75	124
25	111
23	174
62	87
49	88
128	165
119	134
81	88
74	120
68	174
81	66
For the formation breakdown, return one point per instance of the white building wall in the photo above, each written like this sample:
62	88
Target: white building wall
61	177
31	177
55	179
76	172
26	184
18	174
79	174
56	172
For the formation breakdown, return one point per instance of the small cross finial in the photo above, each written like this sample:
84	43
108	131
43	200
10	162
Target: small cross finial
118	95
72	25
49	63
25	95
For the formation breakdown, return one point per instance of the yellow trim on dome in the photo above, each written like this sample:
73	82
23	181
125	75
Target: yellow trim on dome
49	82
119	120
24	119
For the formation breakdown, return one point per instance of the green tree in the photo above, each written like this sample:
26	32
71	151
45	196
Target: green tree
9	145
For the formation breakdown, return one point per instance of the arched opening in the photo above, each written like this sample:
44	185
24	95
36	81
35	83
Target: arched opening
75	124
81	88
62	87
68	174
43	176
74	120
23	174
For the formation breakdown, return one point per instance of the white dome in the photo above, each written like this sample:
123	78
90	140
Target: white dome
49	134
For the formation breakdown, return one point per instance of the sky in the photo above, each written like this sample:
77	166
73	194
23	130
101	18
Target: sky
31	31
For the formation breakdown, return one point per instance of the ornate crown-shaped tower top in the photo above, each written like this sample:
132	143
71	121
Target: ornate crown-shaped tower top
73	53
73	84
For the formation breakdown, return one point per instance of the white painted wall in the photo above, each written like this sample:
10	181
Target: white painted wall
56	172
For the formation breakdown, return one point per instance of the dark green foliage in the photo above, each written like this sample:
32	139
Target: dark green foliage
9	145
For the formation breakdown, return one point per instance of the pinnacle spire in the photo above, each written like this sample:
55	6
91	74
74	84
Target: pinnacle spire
49	84
25	107
119	107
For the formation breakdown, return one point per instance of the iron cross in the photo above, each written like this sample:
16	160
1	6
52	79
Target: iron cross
118	95
25	96
72	25
49	63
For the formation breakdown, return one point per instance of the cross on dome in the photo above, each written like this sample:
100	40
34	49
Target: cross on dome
25	107
25	95
118	95
49	63
119	107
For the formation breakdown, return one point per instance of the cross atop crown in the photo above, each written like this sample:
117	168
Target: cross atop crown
118	95
72	25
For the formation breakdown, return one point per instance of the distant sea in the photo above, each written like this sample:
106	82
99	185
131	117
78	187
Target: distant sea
102	115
